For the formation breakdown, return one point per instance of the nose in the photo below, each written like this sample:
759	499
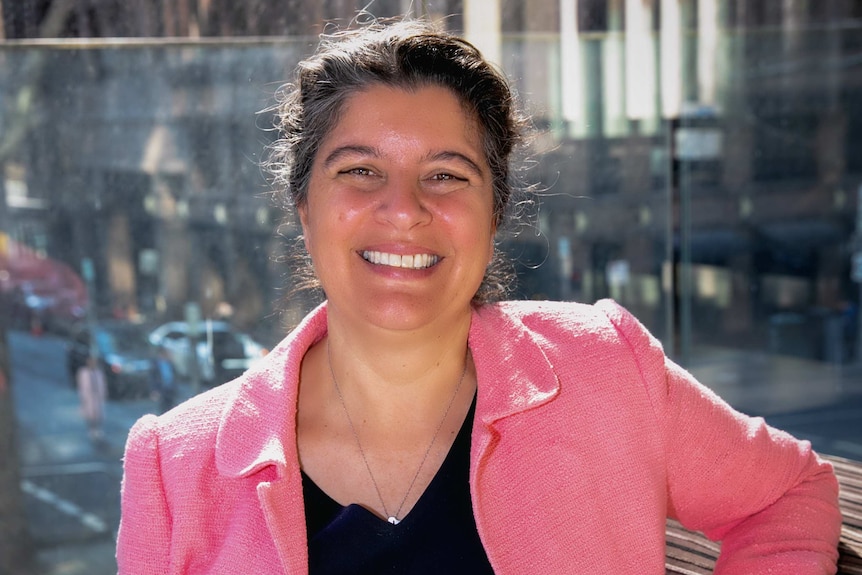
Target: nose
402	205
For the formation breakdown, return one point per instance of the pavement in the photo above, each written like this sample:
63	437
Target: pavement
766	384
816	401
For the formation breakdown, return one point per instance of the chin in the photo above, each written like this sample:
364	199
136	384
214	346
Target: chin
400	315
400	321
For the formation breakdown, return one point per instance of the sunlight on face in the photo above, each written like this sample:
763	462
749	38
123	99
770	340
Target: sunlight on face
399	218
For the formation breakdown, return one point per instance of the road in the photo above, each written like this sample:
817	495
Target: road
72	485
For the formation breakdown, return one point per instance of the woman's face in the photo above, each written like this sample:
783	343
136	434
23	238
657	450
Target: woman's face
399	212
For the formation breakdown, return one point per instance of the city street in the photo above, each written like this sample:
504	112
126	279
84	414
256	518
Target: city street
72	485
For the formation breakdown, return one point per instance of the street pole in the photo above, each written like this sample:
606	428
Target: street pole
856	274
193	320
89	273
671	278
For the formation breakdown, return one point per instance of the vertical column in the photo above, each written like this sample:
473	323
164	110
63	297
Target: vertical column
571	66
613	73
176	18
482	28
671	58
121	265
707	49
738	152
793	18
95	240
837	14
640	61
173	245
832	123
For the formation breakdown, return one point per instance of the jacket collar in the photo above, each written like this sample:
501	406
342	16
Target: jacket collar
513	372
258	426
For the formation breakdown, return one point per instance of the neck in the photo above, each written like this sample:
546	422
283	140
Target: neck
390	369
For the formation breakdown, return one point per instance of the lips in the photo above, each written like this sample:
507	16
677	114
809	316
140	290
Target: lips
412	261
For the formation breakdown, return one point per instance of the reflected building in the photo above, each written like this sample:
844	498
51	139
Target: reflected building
695	157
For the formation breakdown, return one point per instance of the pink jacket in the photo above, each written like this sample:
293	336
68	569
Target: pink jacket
586	437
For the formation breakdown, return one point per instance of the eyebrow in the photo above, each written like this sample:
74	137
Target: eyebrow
349	150
360	150
458	156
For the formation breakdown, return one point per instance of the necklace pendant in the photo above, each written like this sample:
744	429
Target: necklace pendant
394	520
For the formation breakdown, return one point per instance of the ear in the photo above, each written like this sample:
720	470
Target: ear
493	241
302	211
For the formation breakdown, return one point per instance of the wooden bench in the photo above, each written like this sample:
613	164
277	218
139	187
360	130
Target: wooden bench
690	553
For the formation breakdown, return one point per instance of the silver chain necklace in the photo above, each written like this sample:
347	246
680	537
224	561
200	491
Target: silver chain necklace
393	518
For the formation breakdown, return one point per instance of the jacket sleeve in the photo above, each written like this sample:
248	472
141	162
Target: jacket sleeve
768	497
144	538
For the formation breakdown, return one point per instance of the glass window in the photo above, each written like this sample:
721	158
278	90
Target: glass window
698	161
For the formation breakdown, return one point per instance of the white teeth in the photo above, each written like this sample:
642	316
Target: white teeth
414	262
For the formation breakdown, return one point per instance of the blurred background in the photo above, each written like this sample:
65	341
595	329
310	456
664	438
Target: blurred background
700	161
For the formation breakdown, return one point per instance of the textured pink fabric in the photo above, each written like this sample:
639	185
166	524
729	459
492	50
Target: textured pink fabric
585	439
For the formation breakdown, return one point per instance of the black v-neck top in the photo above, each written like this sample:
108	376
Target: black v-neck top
438	535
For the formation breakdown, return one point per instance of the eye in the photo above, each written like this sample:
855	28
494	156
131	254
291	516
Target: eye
445	182
357	172
446	177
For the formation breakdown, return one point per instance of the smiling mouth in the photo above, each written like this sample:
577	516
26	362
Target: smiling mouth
410	262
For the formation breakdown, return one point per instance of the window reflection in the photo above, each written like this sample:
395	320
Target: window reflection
698	161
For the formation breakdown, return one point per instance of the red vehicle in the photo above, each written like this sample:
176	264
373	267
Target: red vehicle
40	292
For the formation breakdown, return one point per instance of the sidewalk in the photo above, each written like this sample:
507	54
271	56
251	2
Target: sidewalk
812	400
760	383
86	558
72	486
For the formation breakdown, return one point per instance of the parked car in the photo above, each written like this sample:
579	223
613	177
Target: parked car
222	352
123	351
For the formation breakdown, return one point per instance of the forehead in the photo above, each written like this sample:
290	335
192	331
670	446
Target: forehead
434	113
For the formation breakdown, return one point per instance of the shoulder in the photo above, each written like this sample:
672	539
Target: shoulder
605	318
235	425
603	329
190	425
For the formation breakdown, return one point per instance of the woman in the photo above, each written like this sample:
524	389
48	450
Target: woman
92	391
410	426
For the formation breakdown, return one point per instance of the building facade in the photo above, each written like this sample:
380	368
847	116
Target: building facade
694	158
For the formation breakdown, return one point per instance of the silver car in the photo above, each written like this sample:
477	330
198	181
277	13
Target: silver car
222	353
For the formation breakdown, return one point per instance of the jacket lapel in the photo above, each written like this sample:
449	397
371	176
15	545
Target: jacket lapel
513	371
514	375
258	432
